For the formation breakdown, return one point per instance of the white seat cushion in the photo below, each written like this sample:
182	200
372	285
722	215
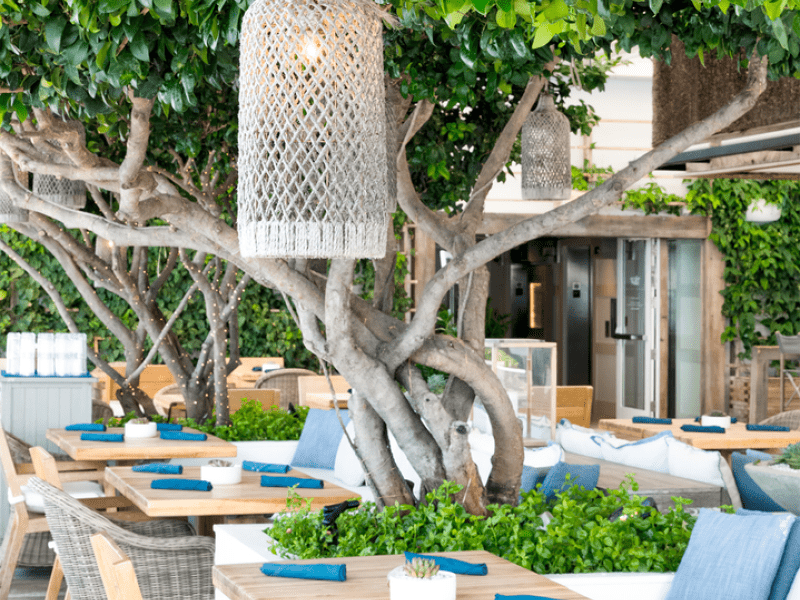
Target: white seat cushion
348	467
648	453
579	440
77	489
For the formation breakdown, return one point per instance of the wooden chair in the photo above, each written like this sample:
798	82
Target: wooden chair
243	376
116	570
790	347
267	397
284	380
574	403
28	534
318	384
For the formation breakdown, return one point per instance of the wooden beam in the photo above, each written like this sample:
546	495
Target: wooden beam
713	363
613	226
747	175
760	159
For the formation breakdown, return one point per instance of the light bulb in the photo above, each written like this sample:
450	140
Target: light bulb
310	49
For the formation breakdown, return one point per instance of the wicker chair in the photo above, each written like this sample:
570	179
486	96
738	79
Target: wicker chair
169	561
284	380
789	418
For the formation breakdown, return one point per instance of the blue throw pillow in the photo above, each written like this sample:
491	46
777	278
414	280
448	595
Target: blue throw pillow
731	557
585	476
532	476
319	439
790	565
753	497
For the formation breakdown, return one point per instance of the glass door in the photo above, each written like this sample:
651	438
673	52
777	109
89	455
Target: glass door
636	328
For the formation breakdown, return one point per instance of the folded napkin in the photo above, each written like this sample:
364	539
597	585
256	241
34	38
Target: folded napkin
301	482
86	427
701	429
102	437
755	427
168	427
326	572
697	419
459	567
652	420
183	435
165	468
501	597
199	485
249	465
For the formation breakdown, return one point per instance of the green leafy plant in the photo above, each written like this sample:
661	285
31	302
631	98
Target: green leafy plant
579	537
790	456
422	568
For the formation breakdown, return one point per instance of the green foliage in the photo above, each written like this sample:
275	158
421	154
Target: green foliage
579	538
790	456
251	422
652	199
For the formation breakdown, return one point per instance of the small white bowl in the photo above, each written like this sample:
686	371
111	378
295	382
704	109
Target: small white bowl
140	430
221	475
709	421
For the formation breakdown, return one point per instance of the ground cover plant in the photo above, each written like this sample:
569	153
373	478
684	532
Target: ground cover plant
590	531
251	422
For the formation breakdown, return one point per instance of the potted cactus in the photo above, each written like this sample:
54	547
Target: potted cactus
780	478
140	427
421	579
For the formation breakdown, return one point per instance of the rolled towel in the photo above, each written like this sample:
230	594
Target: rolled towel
165	468
301	482
756	427
701	429
260	467
86	427
102	437
459	567
168	427
198	485
183	435
523	597
324	572
652	420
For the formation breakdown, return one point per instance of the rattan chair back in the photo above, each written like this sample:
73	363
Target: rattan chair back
789	418
284	380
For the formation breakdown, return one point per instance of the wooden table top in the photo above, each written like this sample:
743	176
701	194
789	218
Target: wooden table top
245	498
324	400
367	580
139	448
735	438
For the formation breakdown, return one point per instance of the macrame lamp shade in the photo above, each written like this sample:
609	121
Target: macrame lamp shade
312	143
546	166
9	213
63	191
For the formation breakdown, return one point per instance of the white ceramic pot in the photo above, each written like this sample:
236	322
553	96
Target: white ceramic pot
780	484
709	421
221	475
441	586
140	430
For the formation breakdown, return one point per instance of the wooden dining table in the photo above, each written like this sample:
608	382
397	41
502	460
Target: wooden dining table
736	437
367	580
139	448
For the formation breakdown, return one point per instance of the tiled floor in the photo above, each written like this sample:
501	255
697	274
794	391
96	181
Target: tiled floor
31	586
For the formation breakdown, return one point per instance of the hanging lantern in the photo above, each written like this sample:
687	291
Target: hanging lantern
312	144
546	166
9	213
63	191
391	157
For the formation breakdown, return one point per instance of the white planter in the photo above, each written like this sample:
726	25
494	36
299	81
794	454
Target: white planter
140	430
441	586
221	475
709	421
782	485
760	212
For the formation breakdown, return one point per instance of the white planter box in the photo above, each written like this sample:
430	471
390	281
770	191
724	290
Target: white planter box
709	421
617	586
268	451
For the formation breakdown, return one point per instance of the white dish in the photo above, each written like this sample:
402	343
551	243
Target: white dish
221	475
141	430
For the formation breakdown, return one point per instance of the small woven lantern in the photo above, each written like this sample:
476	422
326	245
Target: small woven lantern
312	144
546	166
63	191
9	213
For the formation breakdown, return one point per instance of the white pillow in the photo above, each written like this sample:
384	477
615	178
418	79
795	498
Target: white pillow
407	470
347	467
694	463
77	489
483	462
543	457
577	439
730	482
480	418
481	442
794	591
648	453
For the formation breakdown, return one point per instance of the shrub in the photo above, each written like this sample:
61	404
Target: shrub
579	538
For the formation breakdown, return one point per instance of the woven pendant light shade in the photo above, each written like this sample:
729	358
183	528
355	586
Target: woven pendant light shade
63	191
546	166
9	213
312	144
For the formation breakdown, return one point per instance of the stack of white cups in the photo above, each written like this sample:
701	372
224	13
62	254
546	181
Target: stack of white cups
12	353
45	354
70	354
27	354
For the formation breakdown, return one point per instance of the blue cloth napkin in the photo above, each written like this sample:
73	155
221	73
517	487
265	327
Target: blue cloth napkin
86	427
755	427
198	485
301	482
260	467
652	420
697	419
168	427
701	429
183	435
326	572
459	567
164	468
501	597
102	437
